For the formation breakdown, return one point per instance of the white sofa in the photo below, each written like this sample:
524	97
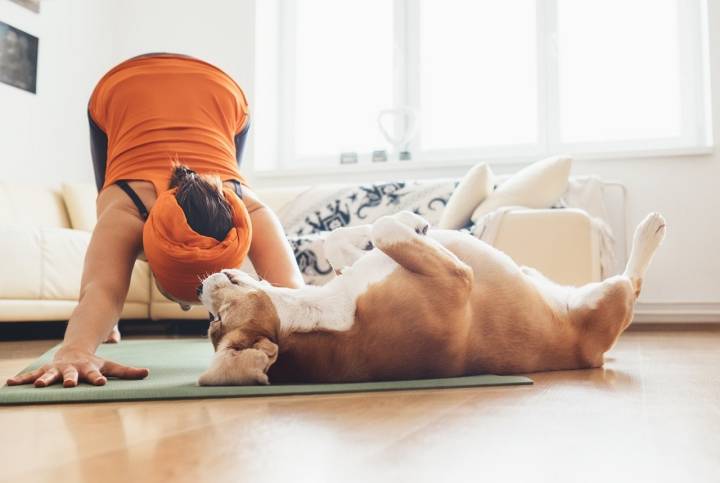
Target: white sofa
44	233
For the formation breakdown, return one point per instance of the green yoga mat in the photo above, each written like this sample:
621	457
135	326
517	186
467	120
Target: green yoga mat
175	365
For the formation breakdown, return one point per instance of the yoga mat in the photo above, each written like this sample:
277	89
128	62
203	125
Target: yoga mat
175	365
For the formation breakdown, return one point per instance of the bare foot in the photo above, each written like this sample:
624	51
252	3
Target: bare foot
114	336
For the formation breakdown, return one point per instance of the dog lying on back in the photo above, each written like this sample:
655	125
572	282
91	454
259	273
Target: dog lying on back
410	304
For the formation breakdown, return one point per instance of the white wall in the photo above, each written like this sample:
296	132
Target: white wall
45	137
18	108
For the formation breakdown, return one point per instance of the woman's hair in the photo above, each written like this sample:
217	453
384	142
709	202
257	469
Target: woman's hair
202	201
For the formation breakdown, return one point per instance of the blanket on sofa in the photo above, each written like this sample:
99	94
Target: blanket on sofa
314	213
308	221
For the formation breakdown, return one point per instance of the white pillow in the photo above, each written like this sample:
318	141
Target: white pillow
472	190
536	186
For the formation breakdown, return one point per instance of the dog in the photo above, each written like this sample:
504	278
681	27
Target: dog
411	303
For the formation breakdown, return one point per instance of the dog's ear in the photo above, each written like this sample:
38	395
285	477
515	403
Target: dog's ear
269	348
233	366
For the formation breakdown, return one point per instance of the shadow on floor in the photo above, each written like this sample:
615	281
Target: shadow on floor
12	331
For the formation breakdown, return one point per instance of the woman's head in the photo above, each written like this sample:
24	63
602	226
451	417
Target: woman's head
196	228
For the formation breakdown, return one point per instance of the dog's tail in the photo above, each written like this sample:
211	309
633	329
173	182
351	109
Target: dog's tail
648	236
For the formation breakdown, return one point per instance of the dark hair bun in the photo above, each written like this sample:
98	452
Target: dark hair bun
206	210
181	174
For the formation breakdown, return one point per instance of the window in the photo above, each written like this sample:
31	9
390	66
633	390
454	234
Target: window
478	79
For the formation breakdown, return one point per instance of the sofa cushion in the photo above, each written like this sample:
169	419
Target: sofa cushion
536	186
80	202
47	263
472	190
561	244
32	205
21	274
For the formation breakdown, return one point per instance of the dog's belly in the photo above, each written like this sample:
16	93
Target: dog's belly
403	329
411	326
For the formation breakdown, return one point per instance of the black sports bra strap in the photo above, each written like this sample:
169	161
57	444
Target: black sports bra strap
134	197
238	187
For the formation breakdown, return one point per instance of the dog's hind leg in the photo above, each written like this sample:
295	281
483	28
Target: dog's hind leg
648	236
602	311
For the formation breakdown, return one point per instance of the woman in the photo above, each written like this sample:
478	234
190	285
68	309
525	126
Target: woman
147	116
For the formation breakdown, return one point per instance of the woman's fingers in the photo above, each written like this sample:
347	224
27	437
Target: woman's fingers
51	376
114	369
70	376
26	378
96	378
90	373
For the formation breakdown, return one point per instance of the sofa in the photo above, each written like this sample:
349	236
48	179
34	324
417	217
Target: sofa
45	231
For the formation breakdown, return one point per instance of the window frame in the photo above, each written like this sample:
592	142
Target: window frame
695	106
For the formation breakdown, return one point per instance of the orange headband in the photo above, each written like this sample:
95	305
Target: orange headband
179	257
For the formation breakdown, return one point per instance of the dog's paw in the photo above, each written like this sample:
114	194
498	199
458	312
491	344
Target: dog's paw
356	236
413	221
651	230
400	227
648	236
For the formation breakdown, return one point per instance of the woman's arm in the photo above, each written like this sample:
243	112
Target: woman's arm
109	261
115	243
270	251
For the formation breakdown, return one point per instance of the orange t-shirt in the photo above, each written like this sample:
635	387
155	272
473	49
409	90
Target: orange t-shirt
158	108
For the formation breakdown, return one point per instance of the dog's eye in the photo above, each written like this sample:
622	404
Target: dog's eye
369	246
231	278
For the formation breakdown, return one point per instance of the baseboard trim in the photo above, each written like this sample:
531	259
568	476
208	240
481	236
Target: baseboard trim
674	312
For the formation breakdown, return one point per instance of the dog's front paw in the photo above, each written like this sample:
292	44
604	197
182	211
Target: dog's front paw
400	227
414	221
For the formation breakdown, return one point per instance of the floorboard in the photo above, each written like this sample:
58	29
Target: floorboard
652	414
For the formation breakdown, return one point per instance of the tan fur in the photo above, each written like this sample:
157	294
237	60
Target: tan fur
440	313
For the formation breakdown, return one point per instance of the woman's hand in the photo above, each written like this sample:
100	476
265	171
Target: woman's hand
72	365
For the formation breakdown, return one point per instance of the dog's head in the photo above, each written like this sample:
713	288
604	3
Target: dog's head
243	328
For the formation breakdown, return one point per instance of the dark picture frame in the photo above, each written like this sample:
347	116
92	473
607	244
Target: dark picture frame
18	58
33	5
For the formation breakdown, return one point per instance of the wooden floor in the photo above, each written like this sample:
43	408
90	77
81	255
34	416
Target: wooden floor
652	414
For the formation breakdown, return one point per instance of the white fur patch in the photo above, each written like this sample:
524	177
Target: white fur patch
345	246
332	306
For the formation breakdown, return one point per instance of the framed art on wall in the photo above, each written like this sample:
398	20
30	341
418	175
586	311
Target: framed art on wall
33	5
18	58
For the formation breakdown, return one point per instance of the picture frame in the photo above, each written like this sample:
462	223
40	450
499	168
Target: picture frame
18	58
33	5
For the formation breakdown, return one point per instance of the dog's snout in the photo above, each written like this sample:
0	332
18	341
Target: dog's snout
199	290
